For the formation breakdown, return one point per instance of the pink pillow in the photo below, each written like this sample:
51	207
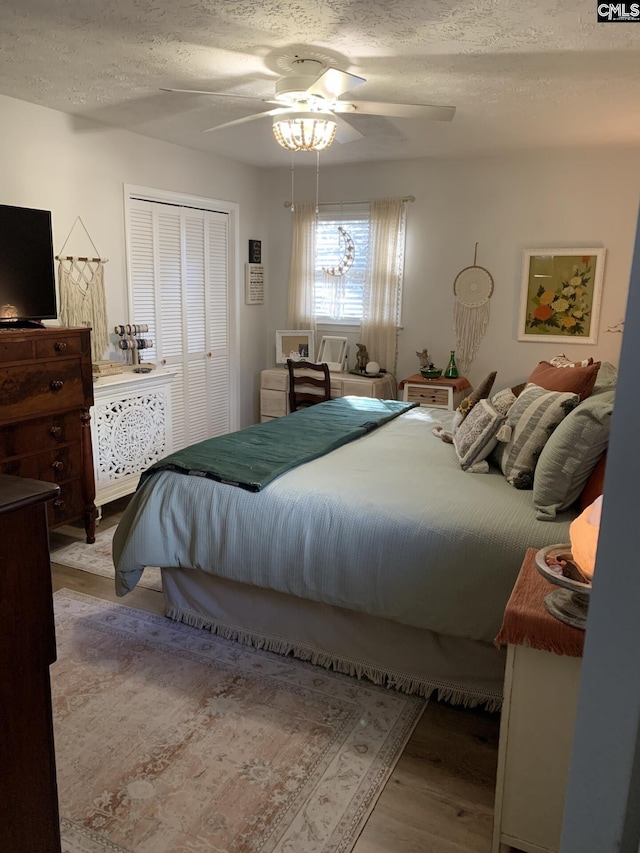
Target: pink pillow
576	380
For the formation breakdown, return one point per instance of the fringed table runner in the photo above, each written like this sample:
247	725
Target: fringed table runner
460	384
527	621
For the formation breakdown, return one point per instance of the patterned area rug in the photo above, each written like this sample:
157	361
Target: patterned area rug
96	559
171	740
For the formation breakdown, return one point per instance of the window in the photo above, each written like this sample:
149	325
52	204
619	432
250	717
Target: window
339	299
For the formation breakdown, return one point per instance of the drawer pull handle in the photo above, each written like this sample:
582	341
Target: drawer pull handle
60	346
56	384
55	431
59	504
57	465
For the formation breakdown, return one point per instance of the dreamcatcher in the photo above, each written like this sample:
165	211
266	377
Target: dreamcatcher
472	290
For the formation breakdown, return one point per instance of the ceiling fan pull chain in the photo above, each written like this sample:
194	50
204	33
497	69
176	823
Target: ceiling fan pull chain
317	178
293	154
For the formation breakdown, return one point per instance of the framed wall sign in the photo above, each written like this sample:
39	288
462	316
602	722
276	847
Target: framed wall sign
297	344
255	251
253	284
560	295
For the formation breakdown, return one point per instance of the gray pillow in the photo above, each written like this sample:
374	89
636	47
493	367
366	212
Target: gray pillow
530	422
503	400
571	454
606	378
475	437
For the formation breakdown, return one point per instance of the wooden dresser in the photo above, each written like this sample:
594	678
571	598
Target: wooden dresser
28	788
46	392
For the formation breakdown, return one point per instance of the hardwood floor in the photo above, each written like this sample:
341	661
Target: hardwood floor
439	798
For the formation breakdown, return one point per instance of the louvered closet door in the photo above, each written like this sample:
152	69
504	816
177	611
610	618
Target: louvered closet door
218	345
187	295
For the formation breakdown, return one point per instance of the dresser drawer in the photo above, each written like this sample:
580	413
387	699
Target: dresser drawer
52	466
19	439
14	349
61	344
275	379
39	389
273	404
68	506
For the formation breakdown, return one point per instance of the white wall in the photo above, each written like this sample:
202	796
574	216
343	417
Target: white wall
559	199
76	168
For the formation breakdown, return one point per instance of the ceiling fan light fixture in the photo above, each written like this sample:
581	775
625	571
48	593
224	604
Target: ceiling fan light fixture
304	131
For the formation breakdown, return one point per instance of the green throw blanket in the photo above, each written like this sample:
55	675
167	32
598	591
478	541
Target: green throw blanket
252	457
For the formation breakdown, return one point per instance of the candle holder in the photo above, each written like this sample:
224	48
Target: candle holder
569	604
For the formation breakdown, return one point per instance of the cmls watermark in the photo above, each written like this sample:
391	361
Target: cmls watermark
618	12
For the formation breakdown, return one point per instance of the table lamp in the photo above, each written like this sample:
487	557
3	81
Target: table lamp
571	568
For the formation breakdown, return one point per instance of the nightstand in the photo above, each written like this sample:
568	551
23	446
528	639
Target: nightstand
538	714
439	393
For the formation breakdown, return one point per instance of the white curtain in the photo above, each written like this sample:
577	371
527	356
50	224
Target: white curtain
302	272
381	315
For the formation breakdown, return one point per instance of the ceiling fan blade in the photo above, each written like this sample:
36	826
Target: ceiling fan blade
246	119
333	82
374	108
346	132
220	95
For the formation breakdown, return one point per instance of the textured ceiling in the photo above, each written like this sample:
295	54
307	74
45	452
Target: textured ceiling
522	75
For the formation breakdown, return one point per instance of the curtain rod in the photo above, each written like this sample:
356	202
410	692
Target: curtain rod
407	198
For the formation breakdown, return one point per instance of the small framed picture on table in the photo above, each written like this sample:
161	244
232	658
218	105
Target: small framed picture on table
297	344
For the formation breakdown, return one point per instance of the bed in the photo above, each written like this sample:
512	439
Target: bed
381	558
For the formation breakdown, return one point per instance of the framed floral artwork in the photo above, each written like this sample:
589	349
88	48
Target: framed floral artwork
560	296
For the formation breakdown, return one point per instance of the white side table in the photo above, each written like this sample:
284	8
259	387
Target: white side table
538	715
436	393
130	429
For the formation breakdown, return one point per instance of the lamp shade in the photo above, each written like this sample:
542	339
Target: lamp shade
305	131
583	532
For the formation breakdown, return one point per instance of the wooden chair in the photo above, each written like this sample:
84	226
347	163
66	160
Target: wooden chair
306	389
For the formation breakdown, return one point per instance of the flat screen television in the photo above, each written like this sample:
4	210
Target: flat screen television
27	278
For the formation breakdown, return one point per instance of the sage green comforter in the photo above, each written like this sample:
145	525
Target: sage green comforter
251	458
387	524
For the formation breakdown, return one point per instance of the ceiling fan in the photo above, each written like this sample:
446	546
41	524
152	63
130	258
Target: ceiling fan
311	99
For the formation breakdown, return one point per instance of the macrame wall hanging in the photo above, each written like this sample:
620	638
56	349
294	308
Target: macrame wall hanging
82	299
472	290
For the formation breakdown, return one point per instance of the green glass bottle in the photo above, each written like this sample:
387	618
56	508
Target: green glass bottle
452	371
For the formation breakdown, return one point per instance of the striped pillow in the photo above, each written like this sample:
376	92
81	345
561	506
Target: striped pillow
530	422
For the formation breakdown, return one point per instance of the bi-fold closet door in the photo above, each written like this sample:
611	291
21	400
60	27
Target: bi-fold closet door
179	286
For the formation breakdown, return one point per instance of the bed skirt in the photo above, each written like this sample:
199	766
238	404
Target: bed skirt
401	657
